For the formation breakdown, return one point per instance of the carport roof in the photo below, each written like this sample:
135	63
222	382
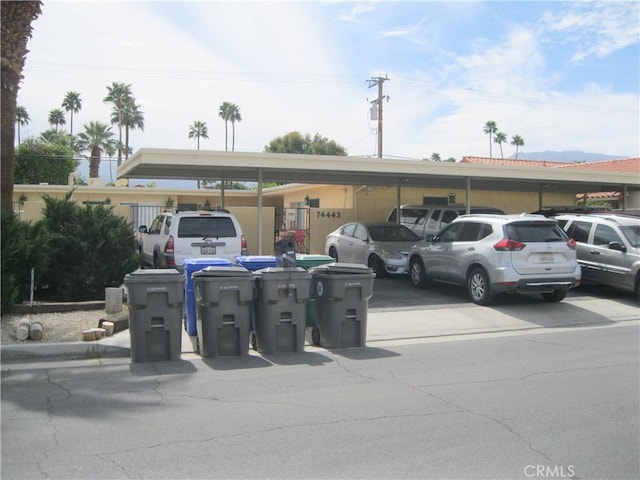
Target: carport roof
341	170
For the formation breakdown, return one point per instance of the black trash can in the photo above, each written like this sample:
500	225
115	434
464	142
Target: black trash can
156	300
280	312
342	292
223	297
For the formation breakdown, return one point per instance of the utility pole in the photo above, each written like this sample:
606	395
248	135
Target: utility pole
378	102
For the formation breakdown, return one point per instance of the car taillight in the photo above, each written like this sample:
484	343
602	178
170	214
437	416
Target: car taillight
169	246
243	245
572	244
507	245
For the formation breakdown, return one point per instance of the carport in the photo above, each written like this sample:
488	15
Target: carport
339	170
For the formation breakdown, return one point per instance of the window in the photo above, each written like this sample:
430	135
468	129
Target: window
448	217
206	227
154	229
579	231
535	232
449	233
360	233
605	234
348	230
433	220
470	232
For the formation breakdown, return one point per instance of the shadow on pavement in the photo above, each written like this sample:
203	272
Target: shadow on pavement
365	353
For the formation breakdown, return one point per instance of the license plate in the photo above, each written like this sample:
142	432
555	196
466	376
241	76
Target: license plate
207	250
545	258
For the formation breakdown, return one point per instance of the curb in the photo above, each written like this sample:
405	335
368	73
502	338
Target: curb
61	351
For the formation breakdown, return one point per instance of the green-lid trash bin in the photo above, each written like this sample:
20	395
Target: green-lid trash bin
309	261
156	299
279	322
223	297
342	292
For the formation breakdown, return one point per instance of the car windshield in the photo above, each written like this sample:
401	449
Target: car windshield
535	231
392	233
202	227
632	232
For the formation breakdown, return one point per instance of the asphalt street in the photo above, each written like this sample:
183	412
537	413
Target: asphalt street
540	403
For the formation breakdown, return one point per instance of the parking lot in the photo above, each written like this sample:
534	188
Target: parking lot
397	293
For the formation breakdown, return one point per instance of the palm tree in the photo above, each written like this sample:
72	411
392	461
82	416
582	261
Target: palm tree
118	93
96	138
15	31
225	114
517	141
56	118
490	128
22	118
198	130
234	116
72	104
500	138
132	118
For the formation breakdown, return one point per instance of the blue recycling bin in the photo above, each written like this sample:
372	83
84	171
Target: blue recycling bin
192	265
253	263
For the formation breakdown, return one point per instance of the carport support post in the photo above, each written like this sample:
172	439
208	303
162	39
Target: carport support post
468	195
259	211
398	200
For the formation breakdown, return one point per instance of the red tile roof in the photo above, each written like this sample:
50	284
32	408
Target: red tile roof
625	165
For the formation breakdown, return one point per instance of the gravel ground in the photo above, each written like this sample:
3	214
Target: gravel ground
57	327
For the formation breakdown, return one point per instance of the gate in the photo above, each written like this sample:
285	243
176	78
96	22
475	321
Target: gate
293	224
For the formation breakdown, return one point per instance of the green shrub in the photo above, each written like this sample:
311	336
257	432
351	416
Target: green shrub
24	247
90	247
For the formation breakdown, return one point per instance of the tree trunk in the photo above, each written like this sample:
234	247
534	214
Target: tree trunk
94	163
16	31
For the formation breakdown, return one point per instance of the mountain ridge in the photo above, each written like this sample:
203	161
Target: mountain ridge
570	156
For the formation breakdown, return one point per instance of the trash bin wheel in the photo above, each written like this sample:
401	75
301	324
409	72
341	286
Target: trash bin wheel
315	336
253	340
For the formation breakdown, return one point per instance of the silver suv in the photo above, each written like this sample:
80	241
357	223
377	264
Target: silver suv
172	237
491	254
608	248
427	220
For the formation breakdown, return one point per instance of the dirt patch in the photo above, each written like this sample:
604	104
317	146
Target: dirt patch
59	327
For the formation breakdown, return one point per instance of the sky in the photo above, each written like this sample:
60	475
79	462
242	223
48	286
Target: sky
561	75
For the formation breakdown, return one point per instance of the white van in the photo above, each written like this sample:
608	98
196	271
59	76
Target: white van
430	219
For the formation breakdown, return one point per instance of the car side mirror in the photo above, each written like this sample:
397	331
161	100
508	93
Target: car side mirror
432	238
142	229
617	246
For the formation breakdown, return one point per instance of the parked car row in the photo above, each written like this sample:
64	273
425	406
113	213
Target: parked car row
490	253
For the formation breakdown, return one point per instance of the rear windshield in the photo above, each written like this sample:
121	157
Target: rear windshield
193	227
535	231
392	233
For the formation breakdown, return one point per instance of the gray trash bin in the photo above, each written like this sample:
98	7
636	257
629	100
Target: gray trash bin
156	300
280	312
342	293
223	297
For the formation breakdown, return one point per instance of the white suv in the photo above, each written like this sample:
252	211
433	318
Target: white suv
490	254
172	237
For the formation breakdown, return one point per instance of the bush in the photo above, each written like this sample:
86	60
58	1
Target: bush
24	246
91	248
76	252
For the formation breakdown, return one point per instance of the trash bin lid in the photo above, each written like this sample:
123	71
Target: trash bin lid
199	262
154	275
223	271
256	262
282	272
342	268
313	260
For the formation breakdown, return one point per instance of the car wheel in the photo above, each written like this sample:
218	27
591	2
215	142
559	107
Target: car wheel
479	287
555	296
376	264
156	264
333	253
417	273
315	336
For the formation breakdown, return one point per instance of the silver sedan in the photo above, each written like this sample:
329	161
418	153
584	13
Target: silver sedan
383	246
